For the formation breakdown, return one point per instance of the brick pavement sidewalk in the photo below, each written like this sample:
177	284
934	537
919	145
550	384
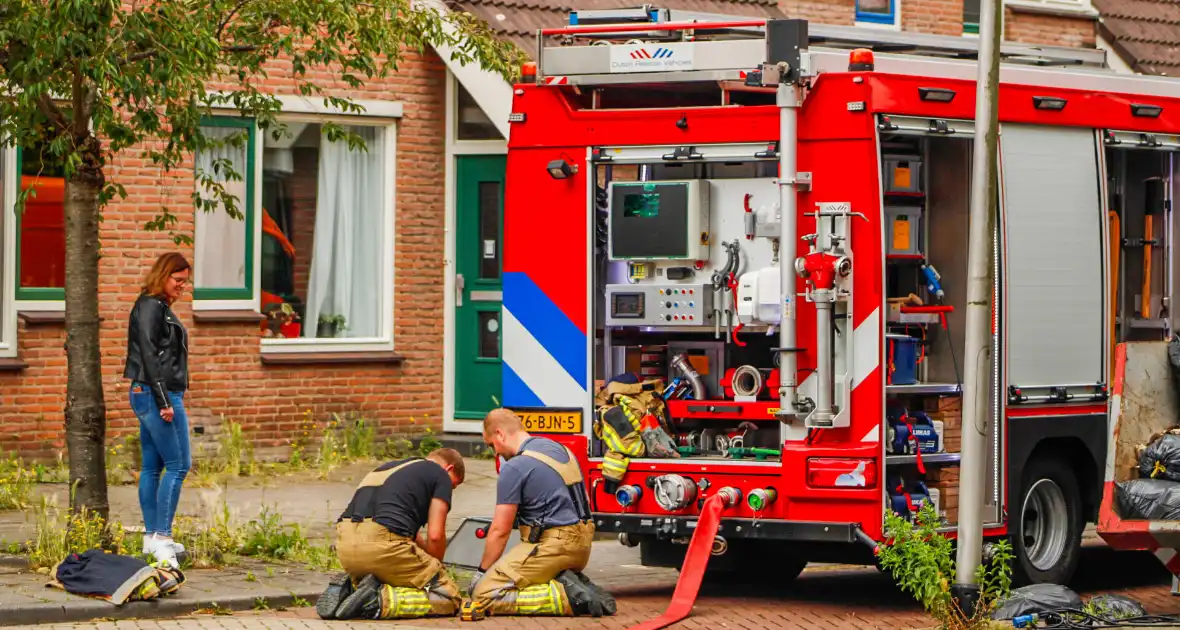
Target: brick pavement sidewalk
24	598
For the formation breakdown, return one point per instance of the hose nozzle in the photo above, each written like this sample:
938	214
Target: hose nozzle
761	498
730	496
628	495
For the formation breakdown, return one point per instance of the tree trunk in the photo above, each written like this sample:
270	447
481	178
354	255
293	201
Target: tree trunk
85	407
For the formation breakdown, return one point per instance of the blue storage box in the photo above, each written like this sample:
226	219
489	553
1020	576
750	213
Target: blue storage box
901	358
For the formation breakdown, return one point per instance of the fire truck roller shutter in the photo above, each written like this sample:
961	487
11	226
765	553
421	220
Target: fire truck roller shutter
1054	331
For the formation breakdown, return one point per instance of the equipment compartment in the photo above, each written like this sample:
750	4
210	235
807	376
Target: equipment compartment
926	212
665	315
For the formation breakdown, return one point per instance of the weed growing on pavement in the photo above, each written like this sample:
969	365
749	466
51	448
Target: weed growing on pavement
235	451
331	453
210	542
250	577
58	533
360	439
485	453
57	473
922	561
267	536
299	602
260	603
428	444
16	483
214	609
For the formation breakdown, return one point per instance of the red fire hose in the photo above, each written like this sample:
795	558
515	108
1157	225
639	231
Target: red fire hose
693	570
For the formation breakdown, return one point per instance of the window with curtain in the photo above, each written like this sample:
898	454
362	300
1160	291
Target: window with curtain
223	244
324	254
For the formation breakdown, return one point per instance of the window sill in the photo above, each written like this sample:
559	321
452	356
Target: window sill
37	318
387	357
880	26
224	317
12	365
1052	8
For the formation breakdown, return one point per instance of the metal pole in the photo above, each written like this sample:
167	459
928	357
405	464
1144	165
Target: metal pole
977	372
787	98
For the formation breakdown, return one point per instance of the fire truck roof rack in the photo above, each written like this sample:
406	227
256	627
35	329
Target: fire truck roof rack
648	44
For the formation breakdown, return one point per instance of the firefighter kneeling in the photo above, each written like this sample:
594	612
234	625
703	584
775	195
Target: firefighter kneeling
392	571
541	488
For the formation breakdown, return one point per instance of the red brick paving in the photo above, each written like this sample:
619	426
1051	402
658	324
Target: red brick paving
824	600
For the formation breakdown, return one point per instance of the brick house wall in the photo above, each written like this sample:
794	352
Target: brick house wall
228	377
1049	30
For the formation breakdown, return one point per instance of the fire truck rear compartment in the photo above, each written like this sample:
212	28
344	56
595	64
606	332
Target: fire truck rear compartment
686	320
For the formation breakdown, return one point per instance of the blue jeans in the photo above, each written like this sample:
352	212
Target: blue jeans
165	448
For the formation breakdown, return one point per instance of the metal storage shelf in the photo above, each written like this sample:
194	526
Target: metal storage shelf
929	458
924	388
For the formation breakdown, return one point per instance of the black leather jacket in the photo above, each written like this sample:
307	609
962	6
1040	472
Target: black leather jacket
157	349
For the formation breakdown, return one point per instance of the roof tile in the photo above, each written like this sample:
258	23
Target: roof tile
1146	33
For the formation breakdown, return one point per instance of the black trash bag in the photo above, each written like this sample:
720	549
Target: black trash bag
1116	607
1161	458
1148	499
1036	599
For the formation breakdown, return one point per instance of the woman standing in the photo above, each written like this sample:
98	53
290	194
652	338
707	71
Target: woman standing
157	364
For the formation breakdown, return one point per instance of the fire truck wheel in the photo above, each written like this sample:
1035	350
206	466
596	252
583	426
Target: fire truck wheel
1046	526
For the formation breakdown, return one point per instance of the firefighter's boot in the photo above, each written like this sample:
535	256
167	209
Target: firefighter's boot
583	600
609	606
403	602
364	603
339	588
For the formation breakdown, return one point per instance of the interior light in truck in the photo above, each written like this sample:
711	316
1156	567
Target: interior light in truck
1050	103
936	95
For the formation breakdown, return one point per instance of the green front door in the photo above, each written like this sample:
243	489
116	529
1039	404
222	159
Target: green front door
479	230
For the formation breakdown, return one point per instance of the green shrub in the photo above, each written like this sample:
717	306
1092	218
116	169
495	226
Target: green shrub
922	561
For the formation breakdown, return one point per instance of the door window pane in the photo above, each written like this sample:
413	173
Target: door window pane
473	123
42	224
322	245
489	229
971	12
221	256
489	335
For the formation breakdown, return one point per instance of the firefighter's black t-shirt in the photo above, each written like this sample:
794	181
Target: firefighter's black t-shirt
400	501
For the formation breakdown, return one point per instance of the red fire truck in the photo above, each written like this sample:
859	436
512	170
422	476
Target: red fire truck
771	220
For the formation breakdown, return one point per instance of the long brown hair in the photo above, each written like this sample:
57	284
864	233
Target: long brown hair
165	266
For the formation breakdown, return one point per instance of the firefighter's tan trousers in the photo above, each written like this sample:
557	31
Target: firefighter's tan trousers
415	582
521	582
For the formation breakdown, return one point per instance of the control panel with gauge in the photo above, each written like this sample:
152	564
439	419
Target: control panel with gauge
659	305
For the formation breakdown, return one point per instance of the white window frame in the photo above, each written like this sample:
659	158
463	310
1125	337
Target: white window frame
8	313
385	341
1069	8
298	108
255	302
877	23
454	148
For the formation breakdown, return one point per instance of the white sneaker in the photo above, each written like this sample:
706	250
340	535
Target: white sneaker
149	540
163	552
165	555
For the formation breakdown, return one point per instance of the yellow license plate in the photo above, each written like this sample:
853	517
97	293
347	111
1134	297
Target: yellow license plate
551	421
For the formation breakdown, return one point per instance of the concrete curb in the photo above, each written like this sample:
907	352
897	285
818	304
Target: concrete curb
181	604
